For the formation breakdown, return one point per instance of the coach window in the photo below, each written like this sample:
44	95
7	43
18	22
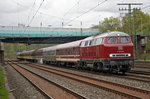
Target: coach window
124	40
112	40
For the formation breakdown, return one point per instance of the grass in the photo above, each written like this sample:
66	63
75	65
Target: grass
144	58
3	92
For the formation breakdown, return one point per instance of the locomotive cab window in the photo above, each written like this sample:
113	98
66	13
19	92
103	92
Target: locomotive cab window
112	40
124	39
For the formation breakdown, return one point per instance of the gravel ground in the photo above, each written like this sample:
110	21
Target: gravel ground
20	87
85	90
128	82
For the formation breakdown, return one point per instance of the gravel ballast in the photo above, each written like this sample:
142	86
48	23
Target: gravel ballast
123	81
85	90
20	87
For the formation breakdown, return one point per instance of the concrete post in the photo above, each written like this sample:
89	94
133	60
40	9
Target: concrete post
1	53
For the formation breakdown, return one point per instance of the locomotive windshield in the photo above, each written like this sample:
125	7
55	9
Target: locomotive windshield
112	40
124	39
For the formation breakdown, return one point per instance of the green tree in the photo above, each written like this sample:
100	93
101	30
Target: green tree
112	24
142	23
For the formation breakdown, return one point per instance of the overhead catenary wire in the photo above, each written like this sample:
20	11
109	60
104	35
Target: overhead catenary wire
143	8
70	9
35	13
85	12
60	18
146	7
18	3
30	11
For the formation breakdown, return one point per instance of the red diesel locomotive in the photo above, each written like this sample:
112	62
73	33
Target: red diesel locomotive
111	51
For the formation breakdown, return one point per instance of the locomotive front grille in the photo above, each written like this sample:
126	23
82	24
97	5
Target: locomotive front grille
120	55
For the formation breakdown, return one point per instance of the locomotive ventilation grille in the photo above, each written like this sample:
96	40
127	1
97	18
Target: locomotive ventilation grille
120	55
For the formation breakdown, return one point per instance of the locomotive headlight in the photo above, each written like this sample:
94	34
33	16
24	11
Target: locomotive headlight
129	55
111	55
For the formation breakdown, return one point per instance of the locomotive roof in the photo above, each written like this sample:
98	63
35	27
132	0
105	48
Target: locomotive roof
88	38
107	34
114	33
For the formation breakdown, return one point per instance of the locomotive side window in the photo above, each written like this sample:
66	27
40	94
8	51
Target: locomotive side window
112	40
82	44
86	43
94	41
124	40
99	41
91	42
102	42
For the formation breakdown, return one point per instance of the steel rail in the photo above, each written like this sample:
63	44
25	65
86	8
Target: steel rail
78	96
38	88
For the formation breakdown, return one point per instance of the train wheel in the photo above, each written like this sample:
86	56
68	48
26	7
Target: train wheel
78	65
95	67
83	65
58	63
123	72
110	70
100	66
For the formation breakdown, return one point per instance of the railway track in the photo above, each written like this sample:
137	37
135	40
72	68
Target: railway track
145	67
122	90
137	77
140	76
142	72
48	88
140	64
130	76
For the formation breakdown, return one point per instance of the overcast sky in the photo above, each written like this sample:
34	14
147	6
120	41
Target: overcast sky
53	12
